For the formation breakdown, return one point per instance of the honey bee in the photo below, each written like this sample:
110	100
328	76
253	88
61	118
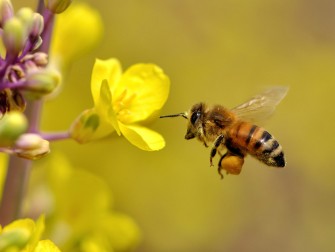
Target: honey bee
232	134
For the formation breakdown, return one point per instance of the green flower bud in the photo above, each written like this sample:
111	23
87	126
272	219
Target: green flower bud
42	82
26	15
57	6
12	125
14	35
31	146
84	127
6	11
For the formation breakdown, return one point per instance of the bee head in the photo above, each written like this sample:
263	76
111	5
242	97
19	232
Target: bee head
194	117
195	121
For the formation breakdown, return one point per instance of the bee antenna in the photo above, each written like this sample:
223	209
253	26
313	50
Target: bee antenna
175	115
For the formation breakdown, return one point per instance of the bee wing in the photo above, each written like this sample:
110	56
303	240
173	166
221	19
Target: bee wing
262	105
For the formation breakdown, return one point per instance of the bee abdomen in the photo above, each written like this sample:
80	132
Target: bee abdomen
268	150
259	143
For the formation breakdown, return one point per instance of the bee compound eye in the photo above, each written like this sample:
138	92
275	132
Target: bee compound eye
195	116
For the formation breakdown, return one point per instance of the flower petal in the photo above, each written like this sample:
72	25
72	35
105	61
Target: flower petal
149	87
109	70
142	137
105	107
22	233
105	76
46	246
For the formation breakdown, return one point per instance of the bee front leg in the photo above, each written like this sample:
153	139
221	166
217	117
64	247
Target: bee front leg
218	141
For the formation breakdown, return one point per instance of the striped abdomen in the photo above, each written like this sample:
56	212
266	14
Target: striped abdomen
257	142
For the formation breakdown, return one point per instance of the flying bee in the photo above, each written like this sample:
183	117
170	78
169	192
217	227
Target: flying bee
231	133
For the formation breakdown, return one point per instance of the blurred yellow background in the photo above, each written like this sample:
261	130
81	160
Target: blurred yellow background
218	51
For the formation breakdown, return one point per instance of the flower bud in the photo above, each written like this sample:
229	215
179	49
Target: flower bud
84	126
31	146
26	15
6	11
40	59
57	6
42	82
14	35
37	25
12	125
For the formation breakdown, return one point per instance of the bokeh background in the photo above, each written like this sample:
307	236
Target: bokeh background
218	51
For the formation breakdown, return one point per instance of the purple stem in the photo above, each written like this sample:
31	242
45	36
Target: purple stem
15	184
55	136
19	169
10	59
14	189
28	47
49	19
7	84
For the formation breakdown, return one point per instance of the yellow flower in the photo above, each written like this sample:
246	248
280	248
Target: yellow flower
126	101
78	223
75	35
46	246
24	235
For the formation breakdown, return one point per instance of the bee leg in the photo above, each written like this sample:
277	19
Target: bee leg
216	144
232	163
220	168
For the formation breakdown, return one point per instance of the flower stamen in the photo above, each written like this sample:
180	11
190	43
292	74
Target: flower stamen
123	103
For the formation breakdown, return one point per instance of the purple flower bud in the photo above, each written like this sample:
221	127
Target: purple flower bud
6	11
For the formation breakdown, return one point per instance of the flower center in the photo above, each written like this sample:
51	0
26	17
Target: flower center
122	105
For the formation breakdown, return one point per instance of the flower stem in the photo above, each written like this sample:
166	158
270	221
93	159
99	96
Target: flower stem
17	177
14	189
55	136
18	171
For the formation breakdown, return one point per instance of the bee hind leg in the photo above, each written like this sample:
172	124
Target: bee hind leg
218	141
220	168
231	163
